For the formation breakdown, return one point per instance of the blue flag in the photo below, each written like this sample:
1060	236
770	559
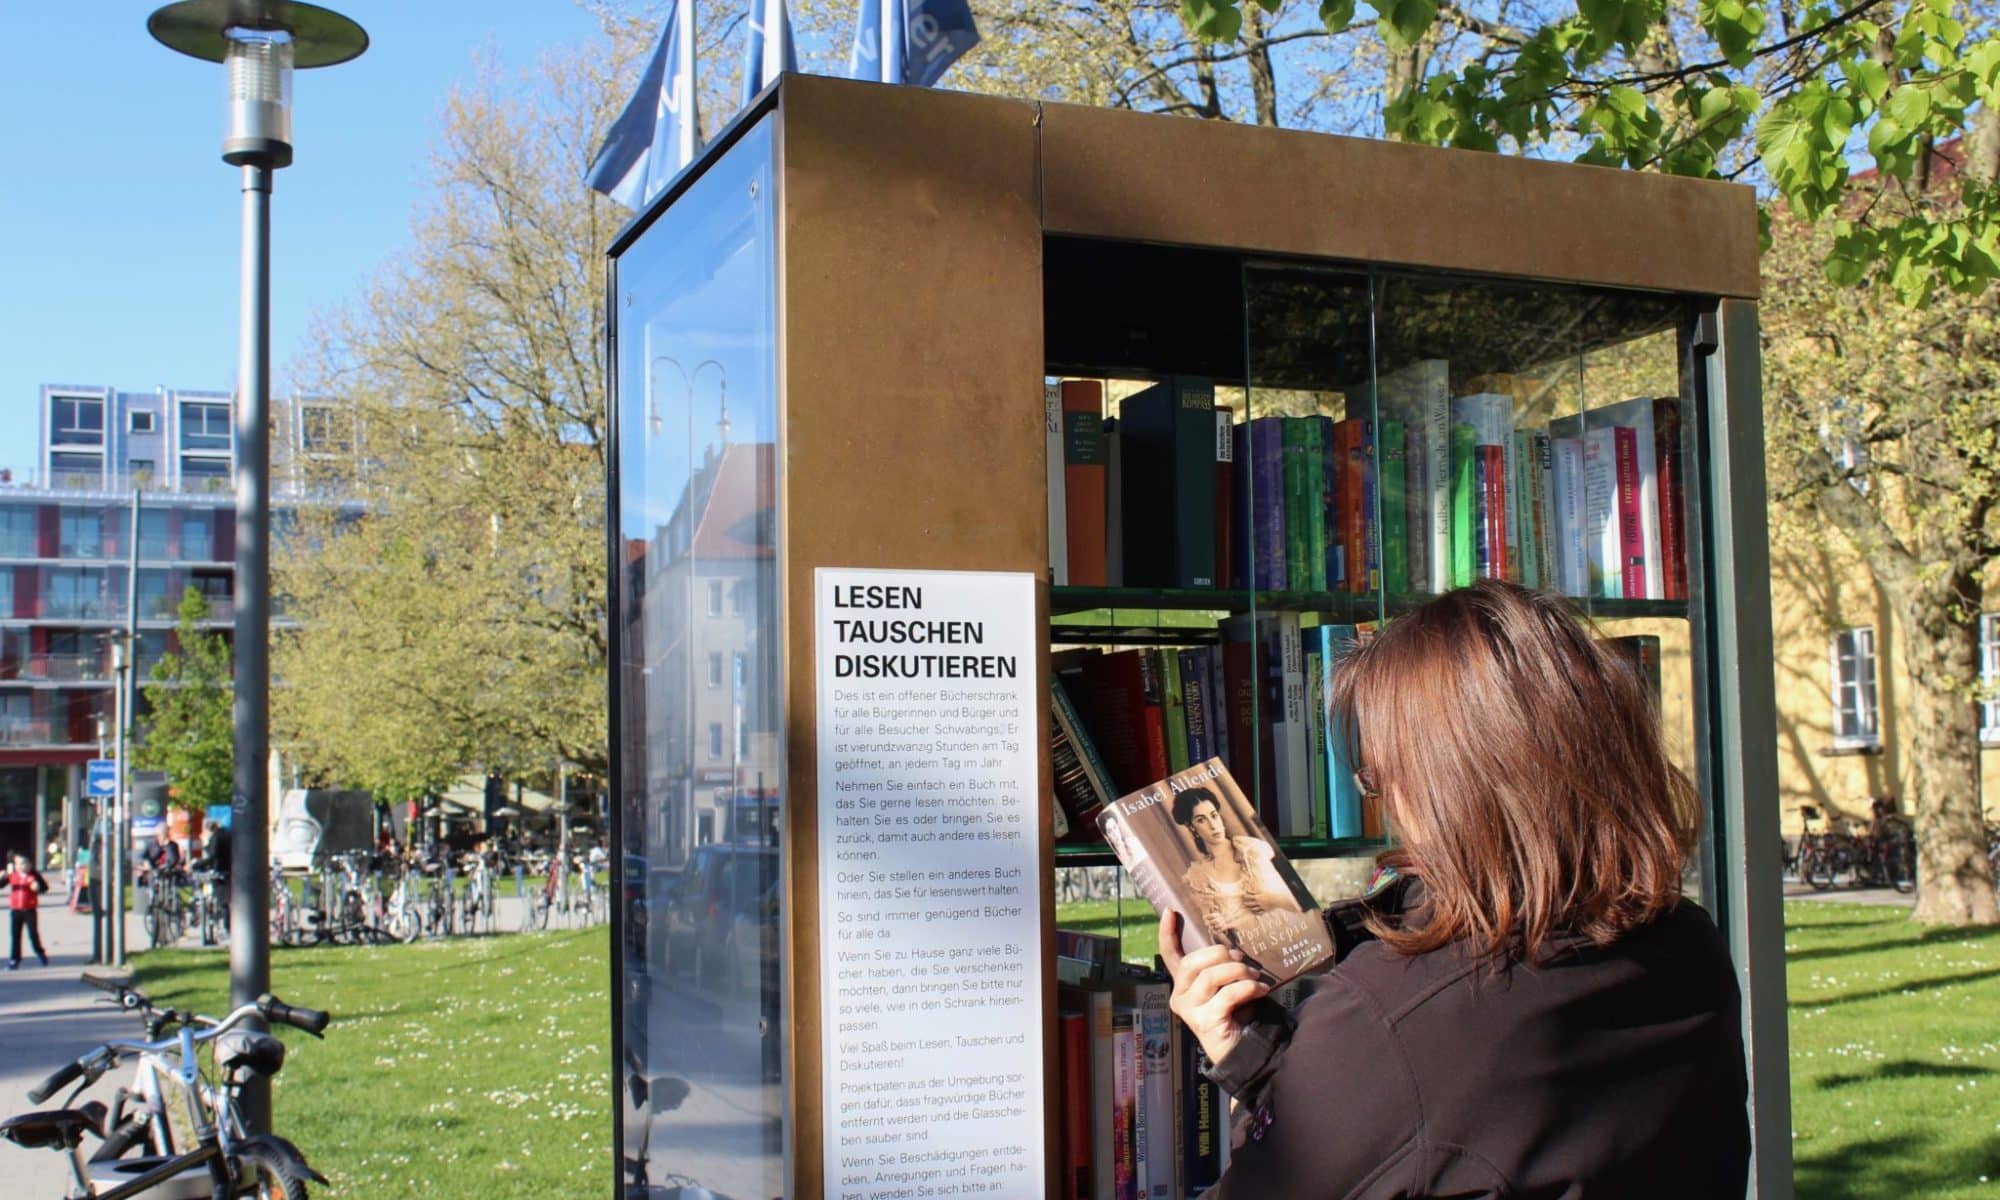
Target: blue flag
910	41
765	56
657	133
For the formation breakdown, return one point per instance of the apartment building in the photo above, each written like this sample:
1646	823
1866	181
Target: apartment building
112	467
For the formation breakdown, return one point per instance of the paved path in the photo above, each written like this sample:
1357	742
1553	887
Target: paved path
47	1017
1796	890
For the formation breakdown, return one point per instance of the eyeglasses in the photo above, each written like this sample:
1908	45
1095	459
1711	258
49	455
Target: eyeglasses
1364	783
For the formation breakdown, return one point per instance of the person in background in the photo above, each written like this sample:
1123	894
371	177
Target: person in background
79	887
52	857
25	886
1531	1008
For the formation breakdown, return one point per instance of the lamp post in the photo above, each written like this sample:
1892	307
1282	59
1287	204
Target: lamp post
260	42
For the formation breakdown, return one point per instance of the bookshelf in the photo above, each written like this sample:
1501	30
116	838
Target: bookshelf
837	606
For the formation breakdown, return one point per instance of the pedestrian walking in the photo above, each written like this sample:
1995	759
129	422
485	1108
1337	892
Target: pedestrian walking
79	885
25	886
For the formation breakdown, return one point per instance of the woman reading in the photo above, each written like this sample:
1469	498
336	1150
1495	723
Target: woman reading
1531	1008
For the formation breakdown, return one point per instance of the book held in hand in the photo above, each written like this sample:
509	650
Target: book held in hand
1192	843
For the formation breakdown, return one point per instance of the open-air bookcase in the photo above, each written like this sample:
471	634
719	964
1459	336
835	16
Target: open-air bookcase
834	618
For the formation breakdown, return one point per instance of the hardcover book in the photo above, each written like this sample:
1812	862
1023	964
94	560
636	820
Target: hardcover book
1084	483
1193	844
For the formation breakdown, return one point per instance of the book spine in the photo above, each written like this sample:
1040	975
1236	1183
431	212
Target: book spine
1152	716
1567	477
1316	767
1203	1122
1521	506
1267	487
1298	518
1084	482
1602	541
1440	473
1393	462
1673	501
1125	1052
1194	482
1082	785
1631	531
1289	735
1116	551
1156	1089
1215	701
1463	513
1351	531
1541	460
1506	524
1330	566
1343	799
1075	1106
1499	562
1482	517
1240	684
1318	488
1103	1097
1052	429
1368	521
1194	698
1225	499
1173	708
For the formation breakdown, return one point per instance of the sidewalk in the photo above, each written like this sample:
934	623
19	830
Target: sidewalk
1797	890
48	1017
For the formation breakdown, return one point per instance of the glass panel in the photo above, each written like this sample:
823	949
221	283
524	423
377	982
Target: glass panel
153	526
18	531
701	798
204	426
197	537
82	533
1636	445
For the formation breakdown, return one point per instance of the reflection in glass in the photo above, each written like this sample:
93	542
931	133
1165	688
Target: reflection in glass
699	751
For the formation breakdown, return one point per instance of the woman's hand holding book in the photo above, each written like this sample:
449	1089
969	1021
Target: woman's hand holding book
1211	985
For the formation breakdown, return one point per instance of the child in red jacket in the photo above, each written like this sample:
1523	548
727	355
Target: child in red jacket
25	886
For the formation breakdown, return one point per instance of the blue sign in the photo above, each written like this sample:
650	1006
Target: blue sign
101	777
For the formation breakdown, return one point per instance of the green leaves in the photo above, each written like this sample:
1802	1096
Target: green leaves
1735	25
1801	140
1212	20
1402	22
1336	14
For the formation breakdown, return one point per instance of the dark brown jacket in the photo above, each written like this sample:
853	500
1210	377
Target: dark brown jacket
1614	1072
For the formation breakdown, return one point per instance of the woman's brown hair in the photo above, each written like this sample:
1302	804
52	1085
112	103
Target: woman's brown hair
1519	764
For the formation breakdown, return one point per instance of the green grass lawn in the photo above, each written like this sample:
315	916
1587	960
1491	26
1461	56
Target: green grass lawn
1895	1048
465	1067
477	1066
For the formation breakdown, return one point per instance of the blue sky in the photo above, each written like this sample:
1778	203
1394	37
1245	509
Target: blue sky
119	222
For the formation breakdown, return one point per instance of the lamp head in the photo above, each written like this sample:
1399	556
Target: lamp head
260	41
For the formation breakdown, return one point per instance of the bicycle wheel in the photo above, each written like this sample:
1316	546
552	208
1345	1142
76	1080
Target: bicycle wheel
265	1176
1816	867
1902	865
151	919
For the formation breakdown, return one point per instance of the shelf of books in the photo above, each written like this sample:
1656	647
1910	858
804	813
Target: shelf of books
893	655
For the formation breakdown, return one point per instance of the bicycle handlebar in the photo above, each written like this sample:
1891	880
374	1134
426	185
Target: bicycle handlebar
311	1020
63	1077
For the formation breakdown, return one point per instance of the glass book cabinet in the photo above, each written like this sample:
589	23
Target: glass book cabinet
933	413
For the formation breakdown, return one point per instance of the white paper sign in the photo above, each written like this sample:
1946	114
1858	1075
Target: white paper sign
930	925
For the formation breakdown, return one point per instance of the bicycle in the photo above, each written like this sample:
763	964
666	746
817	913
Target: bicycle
196	1123
475	904
1823	856
211	907
166	909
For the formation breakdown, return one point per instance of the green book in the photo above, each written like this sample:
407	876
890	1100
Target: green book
1393	464
1464	505
1316	430
1298	521
1322	821
1173	708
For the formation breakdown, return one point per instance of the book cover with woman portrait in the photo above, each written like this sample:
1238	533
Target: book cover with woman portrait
1192	843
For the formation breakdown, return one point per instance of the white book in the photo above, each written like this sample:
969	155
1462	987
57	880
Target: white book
1052	429
1433	383
1156	1152
1637	415
1290	735
1602	542
1566	501
1547	539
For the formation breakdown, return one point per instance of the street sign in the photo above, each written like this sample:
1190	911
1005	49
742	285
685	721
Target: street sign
101	777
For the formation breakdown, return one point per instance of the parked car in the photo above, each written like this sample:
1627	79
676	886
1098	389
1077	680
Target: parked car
719	884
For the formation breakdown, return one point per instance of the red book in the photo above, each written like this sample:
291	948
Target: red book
1111	697
1153	726
1673	502
1075	1048
1084	484
1239	689
1631	529
1493	465
1351	523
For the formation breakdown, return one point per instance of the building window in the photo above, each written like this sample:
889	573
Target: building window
715	670
1855	718
74	470
140	420
204	426
6	591
739	596
321	430
715	739
153	534
142	470
18	537
715	597
76	420
197	537
82	533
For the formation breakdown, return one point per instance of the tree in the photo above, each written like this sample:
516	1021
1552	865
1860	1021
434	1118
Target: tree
191	731
1884	428
444	583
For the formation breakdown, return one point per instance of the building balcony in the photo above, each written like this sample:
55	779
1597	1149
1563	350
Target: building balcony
16	731
56	668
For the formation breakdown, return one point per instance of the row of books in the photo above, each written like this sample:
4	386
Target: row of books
1140	1120
1175	493
1121	719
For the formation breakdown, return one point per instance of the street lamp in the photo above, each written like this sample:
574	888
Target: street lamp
260	42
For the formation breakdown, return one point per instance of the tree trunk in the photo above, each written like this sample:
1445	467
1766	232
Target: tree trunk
1954	878
1263	78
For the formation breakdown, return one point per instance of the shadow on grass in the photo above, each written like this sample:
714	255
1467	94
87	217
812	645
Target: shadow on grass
1897	989
1904	1068
1904	938
1891	1168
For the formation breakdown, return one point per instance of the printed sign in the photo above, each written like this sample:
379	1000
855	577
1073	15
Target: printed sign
100	777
